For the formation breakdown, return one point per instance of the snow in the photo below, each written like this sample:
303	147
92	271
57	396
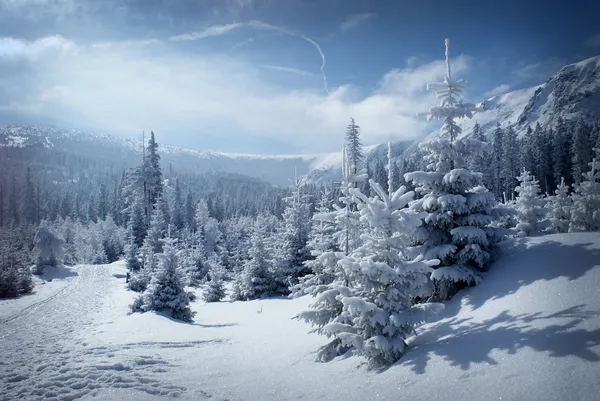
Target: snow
530	330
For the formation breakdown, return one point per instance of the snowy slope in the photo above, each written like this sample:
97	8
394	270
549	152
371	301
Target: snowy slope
572	93
531	331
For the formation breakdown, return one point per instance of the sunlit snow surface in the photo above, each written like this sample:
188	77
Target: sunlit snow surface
530	331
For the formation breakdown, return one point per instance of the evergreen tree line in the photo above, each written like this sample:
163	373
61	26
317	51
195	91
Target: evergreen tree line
553	153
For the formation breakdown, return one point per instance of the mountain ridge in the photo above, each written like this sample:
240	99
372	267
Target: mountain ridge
572	93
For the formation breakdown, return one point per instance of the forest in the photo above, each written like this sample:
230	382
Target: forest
380	251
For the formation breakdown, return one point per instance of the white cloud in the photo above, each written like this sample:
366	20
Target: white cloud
593	41
18	48
355	20
182	96
288	69
218	30
498	90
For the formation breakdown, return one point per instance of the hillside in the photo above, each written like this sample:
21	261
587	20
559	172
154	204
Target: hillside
511	338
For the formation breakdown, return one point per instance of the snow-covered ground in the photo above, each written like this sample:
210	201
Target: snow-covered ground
531	331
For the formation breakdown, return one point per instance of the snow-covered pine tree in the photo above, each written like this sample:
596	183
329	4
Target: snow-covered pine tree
368	307
559	208
131	253
177	212
510	162
354	151
496	162
166	292
561	152
581	151
137	222
380	176
15	272
528	145
156	231
256	280
215	290
585	215
292	249
531	213
322	246
481	161
457	229
152	172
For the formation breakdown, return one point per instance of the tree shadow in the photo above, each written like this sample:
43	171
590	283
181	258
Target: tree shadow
523	263
216	325
56	272
119	275
463	343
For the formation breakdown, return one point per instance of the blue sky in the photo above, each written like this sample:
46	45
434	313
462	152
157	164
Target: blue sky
271	76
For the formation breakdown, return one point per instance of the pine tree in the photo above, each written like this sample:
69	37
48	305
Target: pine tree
157	231
190	212
585	215
353	146
215	291
481	161
510	162
559	208
368	307
529	205
397	178
561	154
153	171
131	253
529	149
380	176
177	216
256	280
457	229
137	223
292	249
581	151
166	293
29	205
323	248
103	206
497	161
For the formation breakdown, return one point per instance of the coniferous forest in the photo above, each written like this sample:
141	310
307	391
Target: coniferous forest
381	251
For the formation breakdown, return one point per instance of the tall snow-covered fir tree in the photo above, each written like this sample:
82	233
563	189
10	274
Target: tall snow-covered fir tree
354	151
585	215
322	247
215	291
559	208
529	205
496	162
561	151
292	250
459	209
256	280
153	172
581	151
510	163
368	307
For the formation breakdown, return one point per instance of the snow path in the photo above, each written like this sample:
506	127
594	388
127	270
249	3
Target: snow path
45	356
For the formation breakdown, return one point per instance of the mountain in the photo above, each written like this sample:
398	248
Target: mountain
572	93
125	152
